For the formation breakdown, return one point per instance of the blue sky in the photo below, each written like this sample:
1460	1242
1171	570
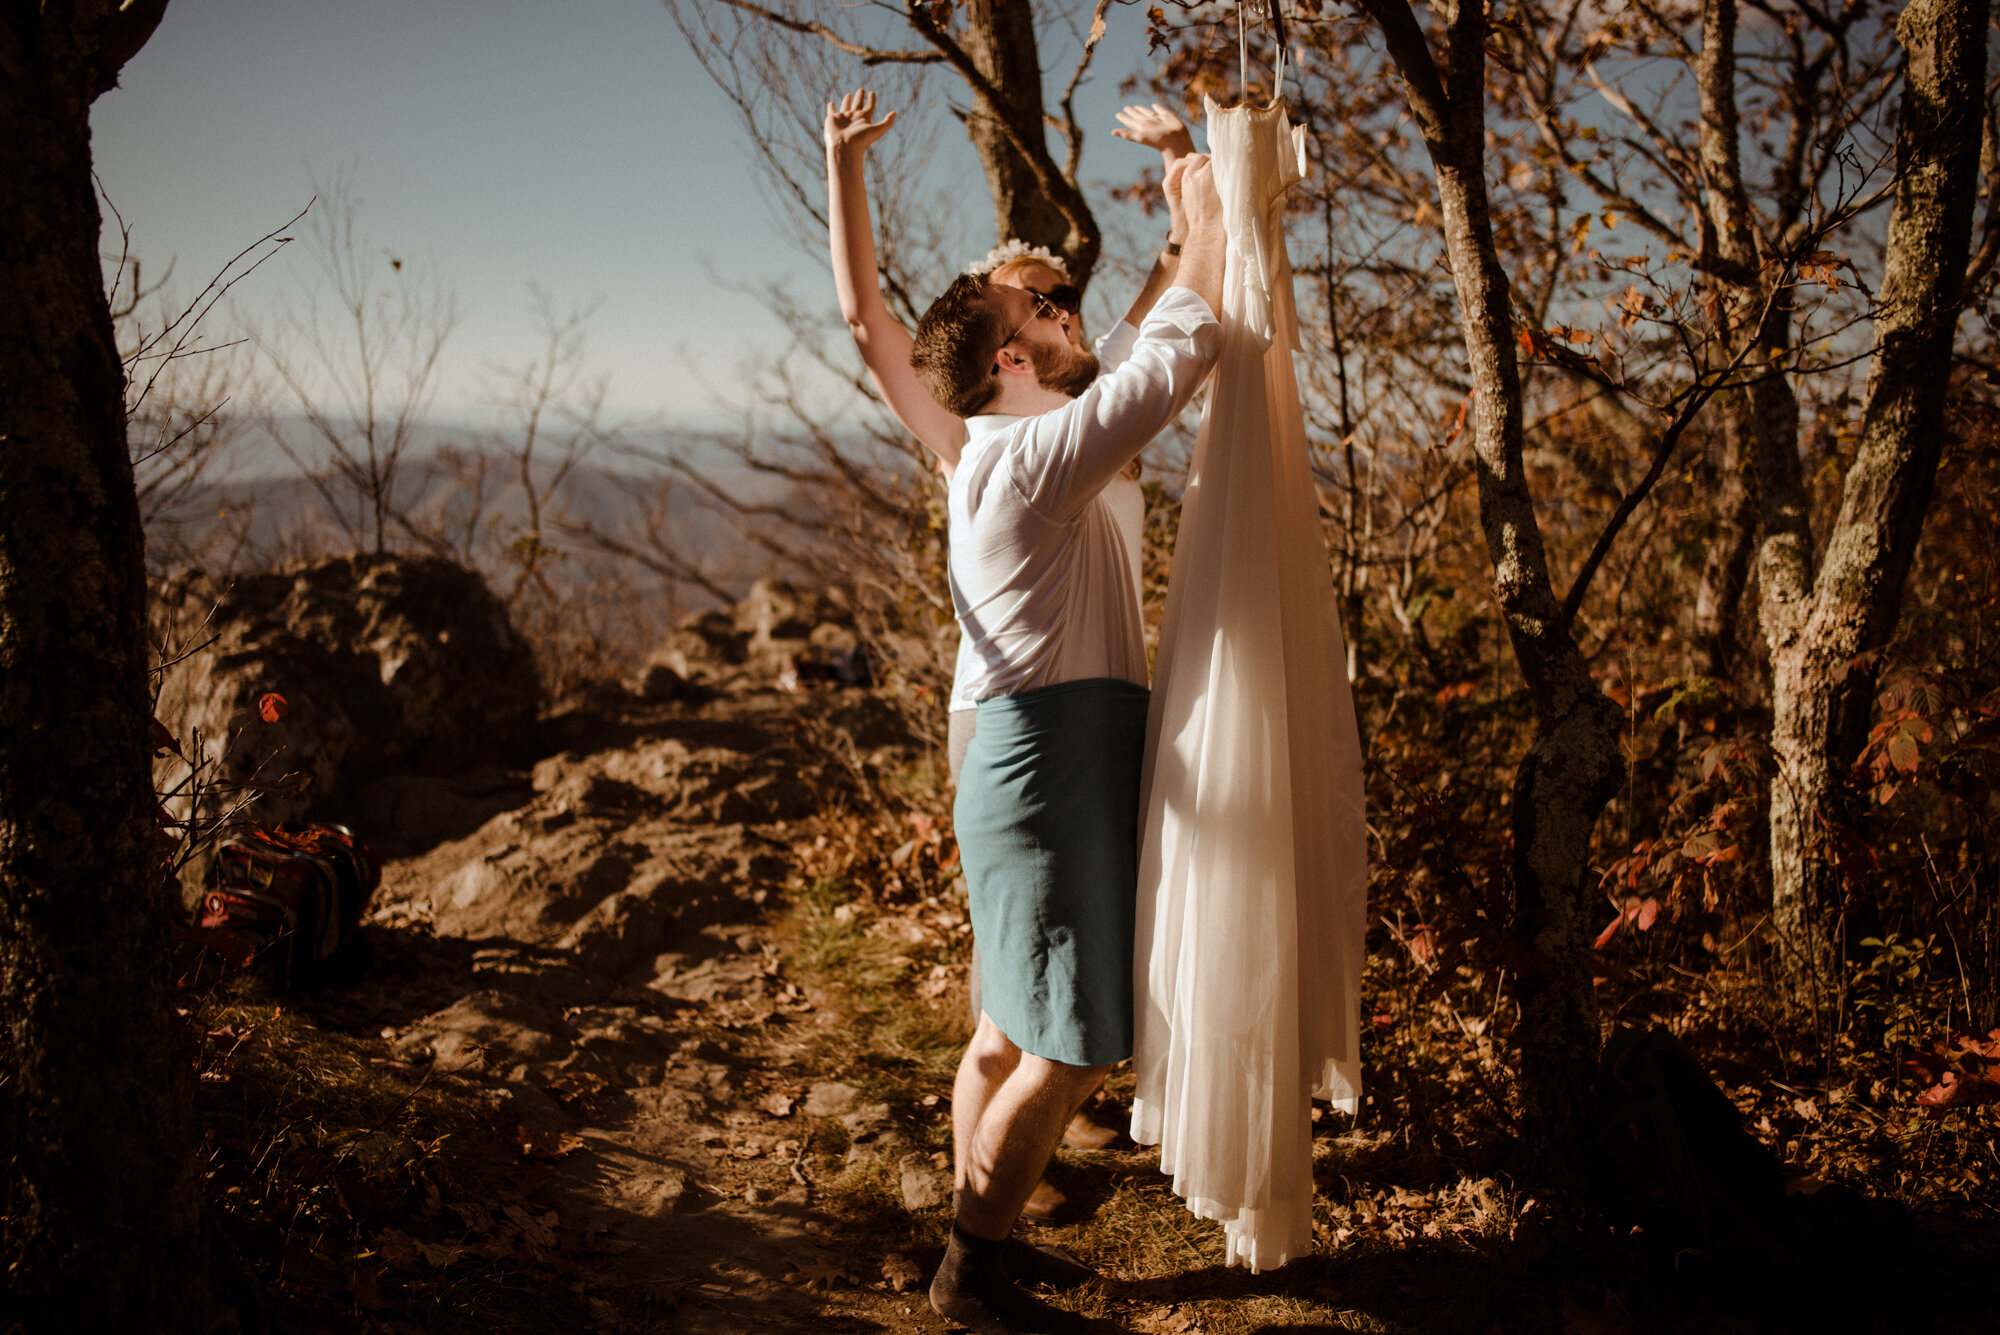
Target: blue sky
502	141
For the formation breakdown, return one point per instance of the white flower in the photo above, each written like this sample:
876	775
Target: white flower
1017	249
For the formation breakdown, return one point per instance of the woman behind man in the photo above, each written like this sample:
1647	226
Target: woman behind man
885	347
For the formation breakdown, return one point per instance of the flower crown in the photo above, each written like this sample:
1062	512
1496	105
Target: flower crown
1011	251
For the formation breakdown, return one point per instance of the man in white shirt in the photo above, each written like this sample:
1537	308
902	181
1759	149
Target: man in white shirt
1047	811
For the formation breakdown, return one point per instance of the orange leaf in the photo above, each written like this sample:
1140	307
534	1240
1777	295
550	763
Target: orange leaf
1632	305
1096	36
271	707
1902	752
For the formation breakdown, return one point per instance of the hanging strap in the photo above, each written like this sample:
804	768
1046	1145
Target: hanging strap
1243	49
1273	10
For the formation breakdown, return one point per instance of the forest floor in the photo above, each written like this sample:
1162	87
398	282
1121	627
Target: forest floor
725	1107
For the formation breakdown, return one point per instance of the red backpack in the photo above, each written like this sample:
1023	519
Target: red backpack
299	893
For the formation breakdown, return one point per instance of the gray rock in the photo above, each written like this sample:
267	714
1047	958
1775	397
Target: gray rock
871	1133
487	1030
830	1098
660	681
387	664
667	1190
537	891
925	1185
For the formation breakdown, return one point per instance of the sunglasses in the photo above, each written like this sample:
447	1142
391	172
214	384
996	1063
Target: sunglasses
1067	297
1045	304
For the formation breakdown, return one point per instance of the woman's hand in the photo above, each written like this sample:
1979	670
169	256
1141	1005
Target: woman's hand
851	126
1157	128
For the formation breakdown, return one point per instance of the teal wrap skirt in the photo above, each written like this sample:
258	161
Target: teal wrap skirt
1047	820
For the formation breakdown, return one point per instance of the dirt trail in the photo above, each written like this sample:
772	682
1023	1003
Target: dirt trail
601	961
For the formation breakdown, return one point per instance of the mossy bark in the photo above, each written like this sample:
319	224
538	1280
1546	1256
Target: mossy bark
101	1225
1820	625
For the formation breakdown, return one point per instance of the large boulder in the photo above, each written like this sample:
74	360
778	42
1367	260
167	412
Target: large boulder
386	664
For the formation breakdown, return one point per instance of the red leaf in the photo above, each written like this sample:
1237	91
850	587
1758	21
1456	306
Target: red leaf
271	707
1925	1066
1957	1091
1604	937
164	742
1649	913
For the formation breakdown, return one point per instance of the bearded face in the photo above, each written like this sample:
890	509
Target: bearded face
1062	367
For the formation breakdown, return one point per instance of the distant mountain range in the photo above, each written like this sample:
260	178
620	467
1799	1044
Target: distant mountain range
471	507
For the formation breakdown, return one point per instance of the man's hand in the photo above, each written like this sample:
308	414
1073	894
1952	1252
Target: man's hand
1190	189
851	126
1193	180
1156	127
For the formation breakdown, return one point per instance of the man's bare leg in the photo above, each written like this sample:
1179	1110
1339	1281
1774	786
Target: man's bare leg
989	1059
1001	1159
1014	1138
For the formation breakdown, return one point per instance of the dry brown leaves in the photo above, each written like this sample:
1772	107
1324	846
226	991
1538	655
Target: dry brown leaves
900	1273
821	1275
1176	1320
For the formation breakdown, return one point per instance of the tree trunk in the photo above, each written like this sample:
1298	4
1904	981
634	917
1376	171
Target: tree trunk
101	1223
1725	570
1764	415
1818	626
1000	38
1572	766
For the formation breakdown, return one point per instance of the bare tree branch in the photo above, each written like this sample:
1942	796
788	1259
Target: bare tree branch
868	55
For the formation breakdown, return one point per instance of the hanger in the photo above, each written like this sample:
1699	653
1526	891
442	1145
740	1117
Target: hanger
1274	11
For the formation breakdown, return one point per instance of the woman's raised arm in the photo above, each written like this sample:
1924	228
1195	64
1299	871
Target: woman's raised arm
884	343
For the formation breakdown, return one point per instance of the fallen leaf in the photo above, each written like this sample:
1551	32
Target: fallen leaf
537	1229
819	1275
900	1272
396	1247
779	1105
439	1254
548	1144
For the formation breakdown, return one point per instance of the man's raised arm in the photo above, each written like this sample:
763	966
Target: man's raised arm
1192	180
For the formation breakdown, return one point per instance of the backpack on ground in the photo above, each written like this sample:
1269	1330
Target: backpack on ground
299	891
1672	1157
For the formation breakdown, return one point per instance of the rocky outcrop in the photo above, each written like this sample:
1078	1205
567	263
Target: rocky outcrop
621	851
386	665
780	634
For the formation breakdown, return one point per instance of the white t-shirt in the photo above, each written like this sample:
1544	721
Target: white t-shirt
1122	494
1042	578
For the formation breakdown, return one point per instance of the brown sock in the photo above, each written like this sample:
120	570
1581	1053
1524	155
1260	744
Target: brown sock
972	1289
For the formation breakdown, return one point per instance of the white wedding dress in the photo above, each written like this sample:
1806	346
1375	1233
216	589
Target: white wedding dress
1253	857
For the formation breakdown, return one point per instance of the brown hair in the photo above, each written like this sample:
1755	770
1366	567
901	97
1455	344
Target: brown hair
1014	270
955	344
